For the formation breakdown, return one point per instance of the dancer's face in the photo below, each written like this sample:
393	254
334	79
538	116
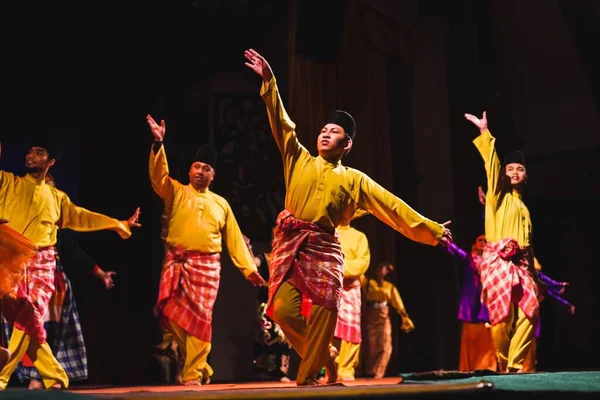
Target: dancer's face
38	160
516	174
201	175
333	142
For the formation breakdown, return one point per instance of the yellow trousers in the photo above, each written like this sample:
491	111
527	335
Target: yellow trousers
347	360
41	356
530	363
310	338
194	352
512	338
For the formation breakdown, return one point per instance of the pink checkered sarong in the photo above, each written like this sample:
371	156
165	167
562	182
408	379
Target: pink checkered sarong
348	319
506	279
28	309
188	289
309	257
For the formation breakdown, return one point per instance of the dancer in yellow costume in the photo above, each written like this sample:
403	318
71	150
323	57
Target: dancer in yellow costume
379	296
37	210
307	257
199	223
508	277
357	257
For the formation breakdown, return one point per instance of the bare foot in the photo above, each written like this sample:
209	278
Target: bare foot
56	386
194	382
34	384
205	380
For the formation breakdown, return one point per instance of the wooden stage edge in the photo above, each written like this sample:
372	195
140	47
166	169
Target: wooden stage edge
275	390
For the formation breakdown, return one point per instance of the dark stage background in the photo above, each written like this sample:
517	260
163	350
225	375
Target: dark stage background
407	70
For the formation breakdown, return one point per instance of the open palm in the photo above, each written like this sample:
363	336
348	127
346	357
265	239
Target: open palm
481	123
258	64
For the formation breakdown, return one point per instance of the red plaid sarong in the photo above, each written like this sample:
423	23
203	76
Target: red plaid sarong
506	279
348	319
188	289
29	308
310	257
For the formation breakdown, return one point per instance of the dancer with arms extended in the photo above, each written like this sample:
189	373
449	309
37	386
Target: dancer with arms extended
307	257
37	210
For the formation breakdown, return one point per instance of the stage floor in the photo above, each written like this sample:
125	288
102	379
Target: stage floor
433	385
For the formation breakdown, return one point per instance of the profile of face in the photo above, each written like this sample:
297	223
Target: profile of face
38	160
479	243
516	174
201	175
333	142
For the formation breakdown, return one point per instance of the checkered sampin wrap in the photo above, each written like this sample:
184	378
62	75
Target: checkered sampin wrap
506	279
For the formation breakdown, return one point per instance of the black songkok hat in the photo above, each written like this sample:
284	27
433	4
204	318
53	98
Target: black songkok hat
515	157
207	155
51	143
345	120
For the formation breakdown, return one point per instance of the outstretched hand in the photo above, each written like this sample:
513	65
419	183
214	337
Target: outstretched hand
258	64
158	131
447	235
482	123
106	277
133	222
256	279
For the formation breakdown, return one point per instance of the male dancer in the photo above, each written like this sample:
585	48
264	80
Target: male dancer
357	257
37	210
199	221
307	257
510	289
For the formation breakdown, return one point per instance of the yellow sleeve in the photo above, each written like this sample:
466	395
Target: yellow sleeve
537	264
486	145
396	213
163	185
79	219
283	128
397	302
357	267
236	245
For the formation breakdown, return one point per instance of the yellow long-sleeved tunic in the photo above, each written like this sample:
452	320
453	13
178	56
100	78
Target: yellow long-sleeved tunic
198	221
506	216
37	210
355	247
321	192
387	292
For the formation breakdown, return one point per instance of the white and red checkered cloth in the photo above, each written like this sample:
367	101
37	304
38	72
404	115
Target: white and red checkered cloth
348	319
314	256
188	289
28	309
506	279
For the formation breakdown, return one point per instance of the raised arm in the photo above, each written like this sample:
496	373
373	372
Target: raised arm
486	145
394	212
158	167
283	128
79	219
357	267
